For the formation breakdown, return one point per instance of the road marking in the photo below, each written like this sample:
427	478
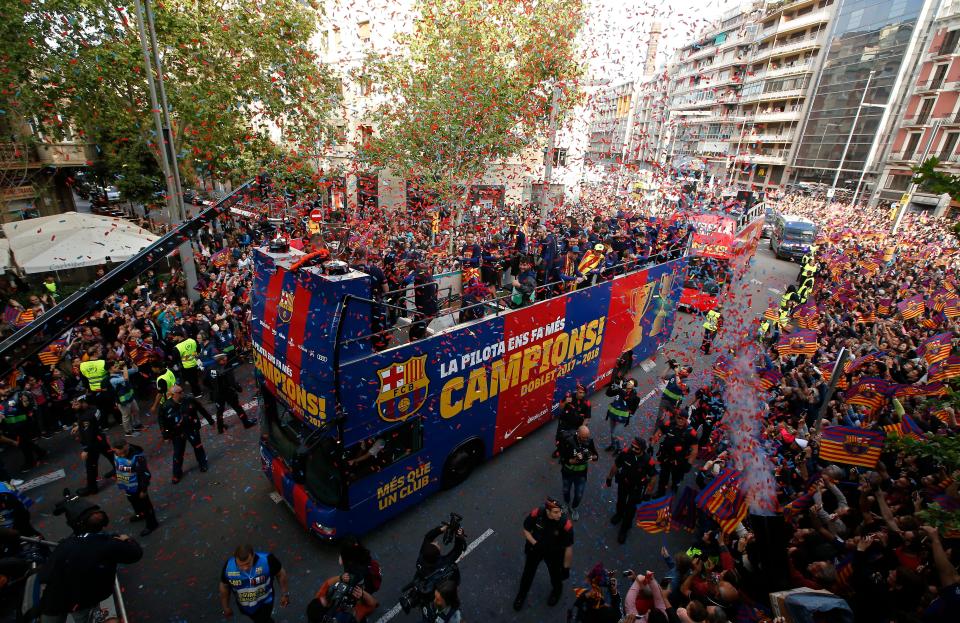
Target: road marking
229	412
775	291
756	282
394	611
653	391
276	497
648	365
33	483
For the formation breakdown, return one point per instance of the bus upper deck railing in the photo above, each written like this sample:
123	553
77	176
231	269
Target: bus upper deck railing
633	265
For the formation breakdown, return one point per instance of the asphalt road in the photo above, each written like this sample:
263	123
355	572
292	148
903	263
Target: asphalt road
204	517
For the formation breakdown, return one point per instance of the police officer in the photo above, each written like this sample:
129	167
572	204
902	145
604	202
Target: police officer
678	450
675	390
711	325
186	349
93	441
549	539
179	423
224	390
576	451
97	376
249	575
133	479
624	404
165	380
632	469
17	429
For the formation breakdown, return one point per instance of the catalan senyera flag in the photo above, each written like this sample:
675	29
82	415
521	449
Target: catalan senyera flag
912	307
654	516
943	415
725	499
589	261
869	267
936	348
801	342
945	370
852	446
885	307
906	428
773	314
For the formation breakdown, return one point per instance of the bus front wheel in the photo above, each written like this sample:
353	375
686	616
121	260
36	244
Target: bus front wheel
461	463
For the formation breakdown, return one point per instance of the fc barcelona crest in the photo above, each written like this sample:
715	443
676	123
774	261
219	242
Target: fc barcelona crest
285	306
856	445
403	389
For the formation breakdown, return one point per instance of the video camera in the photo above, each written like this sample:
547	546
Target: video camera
453	527
76	509
341	601
419	592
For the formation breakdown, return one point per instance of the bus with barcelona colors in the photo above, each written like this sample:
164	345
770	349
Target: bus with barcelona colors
720	252
353	436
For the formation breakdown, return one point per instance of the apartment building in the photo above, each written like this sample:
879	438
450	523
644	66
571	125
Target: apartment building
35	171
352	30
930	123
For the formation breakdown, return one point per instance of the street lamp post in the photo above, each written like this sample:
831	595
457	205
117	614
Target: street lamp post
846	147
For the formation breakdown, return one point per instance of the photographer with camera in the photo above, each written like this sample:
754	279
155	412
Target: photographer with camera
591	604
341	599
434	567
576	451
82	569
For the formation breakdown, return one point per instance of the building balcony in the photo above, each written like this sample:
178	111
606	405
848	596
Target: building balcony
769	138
17	156
791	47
772	117
778	8
798	67
703	52
776	156
65	154
817	17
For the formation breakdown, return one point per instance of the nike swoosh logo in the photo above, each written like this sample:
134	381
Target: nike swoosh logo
510	433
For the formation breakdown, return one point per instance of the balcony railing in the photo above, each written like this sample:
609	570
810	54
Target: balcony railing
17	155
65	154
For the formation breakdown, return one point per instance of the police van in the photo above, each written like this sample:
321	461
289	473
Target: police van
792	236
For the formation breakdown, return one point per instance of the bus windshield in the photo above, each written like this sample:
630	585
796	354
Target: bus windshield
321	476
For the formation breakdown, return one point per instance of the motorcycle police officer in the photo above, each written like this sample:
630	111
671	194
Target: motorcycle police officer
133	479
249	576
549	539
224	391
633	468
179	423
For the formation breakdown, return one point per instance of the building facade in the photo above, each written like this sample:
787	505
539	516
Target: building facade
930	122
873	41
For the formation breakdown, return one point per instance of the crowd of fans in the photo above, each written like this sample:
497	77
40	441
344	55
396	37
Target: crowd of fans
860	530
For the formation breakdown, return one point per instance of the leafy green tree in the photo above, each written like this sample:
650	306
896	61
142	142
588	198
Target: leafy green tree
232	71
472	85
934	181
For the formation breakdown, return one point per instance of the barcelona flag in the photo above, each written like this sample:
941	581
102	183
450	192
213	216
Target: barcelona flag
654	516
725	499
936	348
951	308
905	428
943	415
929	390
51	354
864	360
912	307
884	307
769	379
802	342
852	446
945	370
721	368
220	258
807	315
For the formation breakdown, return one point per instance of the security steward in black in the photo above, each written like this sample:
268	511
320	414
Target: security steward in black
179	423
225	390
574	413
94	442
549	539
632	469
678	449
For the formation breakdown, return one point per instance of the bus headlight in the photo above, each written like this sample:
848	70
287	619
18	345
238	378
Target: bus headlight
324	531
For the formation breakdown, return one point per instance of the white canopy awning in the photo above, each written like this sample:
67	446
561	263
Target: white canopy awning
72	240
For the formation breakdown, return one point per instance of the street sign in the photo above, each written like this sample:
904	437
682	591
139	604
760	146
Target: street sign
905	199
316	215
831	192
